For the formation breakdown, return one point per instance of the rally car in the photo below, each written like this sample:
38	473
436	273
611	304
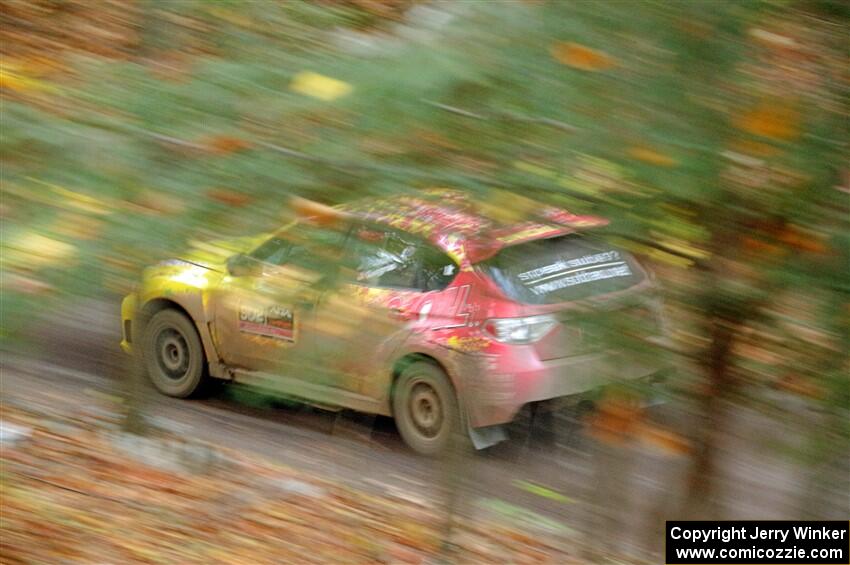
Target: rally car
422	307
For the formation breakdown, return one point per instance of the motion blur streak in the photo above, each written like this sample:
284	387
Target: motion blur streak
590	258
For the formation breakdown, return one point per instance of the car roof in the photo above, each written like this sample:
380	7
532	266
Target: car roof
461	227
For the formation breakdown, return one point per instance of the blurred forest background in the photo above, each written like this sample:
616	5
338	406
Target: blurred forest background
713	134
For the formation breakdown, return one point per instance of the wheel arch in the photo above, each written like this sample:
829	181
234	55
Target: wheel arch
154	305
417	357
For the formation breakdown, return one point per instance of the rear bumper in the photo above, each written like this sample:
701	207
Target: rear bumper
498	396
575	375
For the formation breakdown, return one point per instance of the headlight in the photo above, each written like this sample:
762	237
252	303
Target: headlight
520	330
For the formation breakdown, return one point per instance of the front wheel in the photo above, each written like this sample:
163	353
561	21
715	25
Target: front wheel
173	354
425	408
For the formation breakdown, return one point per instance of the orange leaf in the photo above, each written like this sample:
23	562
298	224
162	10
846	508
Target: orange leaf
803	241
774	120
664	440
760	247
800	386
754	148
615	419
316	212
581	57
651	156
229	197
226	144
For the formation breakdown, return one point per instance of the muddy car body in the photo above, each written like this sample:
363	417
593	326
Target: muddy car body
418	307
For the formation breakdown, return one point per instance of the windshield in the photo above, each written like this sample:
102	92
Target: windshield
304	245
562	269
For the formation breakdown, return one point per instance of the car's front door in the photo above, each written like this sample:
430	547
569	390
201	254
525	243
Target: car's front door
264	307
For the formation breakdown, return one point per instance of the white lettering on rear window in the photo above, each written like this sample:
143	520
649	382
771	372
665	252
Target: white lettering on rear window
562	265
581	278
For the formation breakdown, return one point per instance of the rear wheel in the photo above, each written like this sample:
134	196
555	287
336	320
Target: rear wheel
173	354
425	408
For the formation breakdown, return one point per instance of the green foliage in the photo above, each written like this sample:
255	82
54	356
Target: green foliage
675	120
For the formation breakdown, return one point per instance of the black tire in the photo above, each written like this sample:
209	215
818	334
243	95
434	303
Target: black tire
173	354
421	384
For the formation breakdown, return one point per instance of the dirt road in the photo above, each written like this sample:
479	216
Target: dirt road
76	355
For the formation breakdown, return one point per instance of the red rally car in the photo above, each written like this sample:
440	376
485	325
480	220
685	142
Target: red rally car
420	307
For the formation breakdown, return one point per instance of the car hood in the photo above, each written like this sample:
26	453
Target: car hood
213	254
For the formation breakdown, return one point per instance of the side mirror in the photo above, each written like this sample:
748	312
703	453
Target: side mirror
241	265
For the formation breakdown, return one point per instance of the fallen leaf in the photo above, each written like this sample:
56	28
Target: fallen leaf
801	240
615	419
651	156
151	201
33	250
802	386
749	147
229	197
758	246
581	57
540	490
12	80
662	439
319	86
777	120
318	213
226	144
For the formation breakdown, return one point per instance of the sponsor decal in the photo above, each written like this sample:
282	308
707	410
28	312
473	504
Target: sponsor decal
562	267
277	322
468	344
461	310
572	272
582	278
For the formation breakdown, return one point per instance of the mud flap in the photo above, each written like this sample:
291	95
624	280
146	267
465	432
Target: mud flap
488	436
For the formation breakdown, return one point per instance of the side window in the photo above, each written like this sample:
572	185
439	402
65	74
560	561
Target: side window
436	269
385	258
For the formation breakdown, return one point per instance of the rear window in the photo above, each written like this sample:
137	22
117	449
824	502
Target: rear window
562	269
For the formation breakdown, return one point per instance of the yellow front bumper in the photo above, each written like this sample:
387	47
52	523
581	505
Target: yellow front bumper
128	313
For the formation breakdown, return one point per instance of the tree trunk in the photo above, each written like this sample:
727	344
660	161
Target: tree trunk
701	496
135	388
453	466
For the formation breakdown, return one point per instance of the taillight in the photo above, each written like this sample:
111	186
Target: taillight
519	330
